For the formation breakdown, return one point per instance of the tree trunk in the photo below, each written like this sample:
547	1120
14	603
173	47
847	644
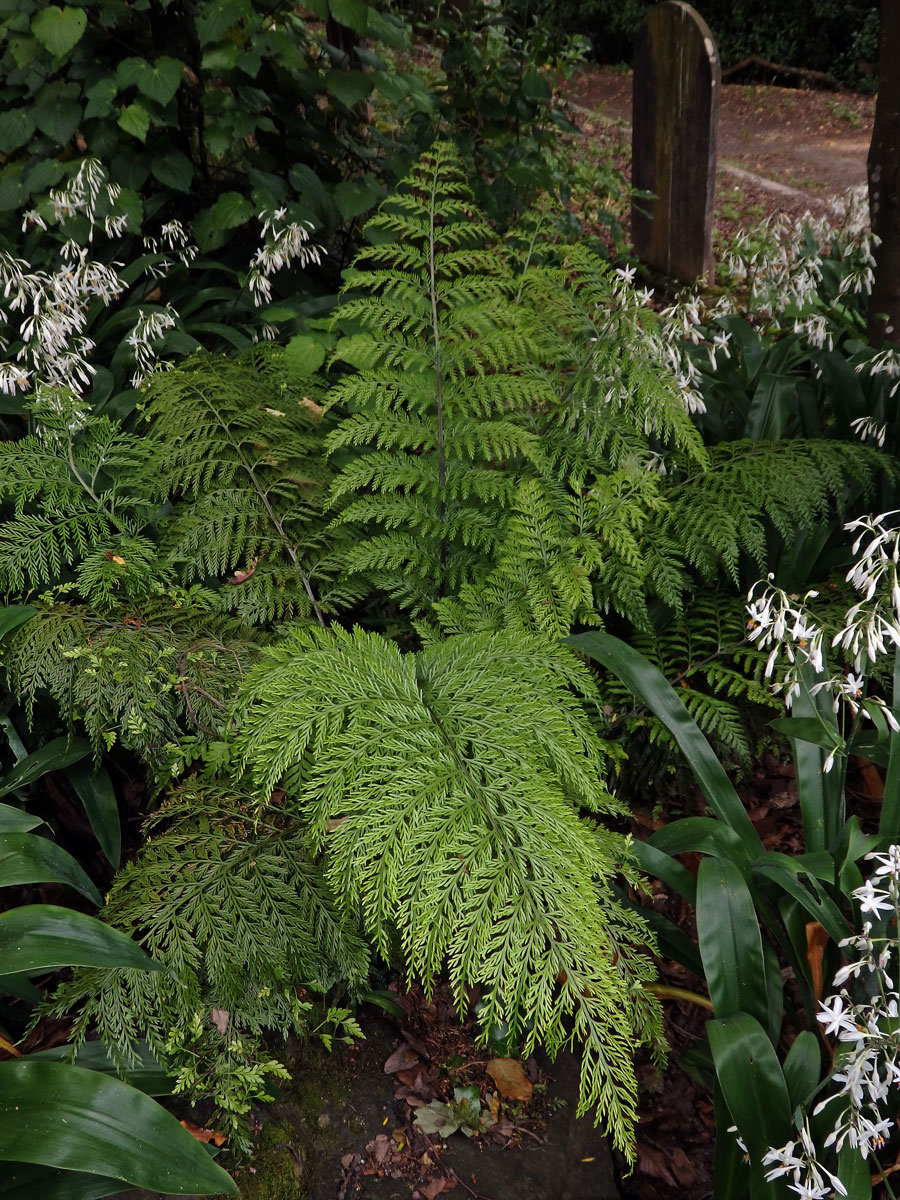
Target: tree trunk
884	183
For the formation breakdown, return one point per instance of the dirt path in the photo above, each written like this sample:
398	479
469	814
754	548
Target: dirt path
780	149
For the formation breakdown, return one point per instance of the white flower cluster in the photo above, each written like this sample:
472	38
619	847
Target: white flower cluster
781	623
48	310
149	328
173	240
283	242
799	1160
868	1064
780	262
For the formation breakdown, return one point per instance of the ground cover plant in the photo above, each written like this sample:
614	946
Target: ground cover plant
316	595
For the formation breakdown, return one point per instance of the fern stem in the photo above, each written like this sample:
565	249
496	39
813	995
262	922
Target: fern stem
260	491
438	395
86	487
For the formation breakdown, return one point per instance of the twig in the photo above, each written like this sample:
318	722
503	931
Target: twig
780	69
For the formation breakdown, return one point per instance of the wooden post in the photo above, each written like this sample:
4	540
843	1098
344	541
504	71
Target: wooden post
677	82
884	184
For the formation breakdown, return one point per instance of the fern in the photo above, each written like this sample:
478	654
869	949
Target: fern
722	513
147	679
705	653
226	896
237	448
432	408
444	790
70	510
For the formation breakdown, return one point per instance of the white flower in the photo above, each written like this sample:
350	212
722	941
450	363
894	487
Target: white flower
872	900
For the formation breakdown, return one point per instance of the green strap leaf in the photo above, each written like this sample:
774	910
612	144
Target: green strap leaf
14	820
42	937
789	875
854	1173
752	1082
730	942
652	688
78	1120
25	858
25	1181
658	863
147	1075
889	826
732	1174
821	796
803	1068
704	835
95	790
54	756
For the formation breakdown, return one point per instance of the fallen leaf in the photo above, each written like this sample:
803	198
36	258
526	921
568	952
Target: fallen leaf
413	1077
434	1187
348	1160
382	1148
655	1163
510	1078
243	576
402	1060
205	1135
219	1018
683	1168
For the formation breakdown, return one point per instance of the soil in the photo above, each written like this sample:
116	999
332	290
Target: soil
780	150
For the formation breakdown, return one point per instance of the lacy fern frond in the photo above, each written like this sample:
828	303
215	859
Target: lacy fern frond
144	678
721	513
224	894
618	404
445	790
432	412
75	510
237	447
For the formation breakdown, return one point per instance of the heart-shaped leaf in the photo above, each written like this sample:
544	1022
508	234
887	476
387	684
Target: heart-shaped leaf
59	29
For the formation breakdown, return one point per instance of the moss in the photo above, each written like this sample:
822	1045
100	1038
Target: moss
274	1171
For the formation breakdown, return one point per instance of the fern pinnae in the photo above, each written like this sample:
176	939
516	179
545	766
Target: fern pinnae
475	851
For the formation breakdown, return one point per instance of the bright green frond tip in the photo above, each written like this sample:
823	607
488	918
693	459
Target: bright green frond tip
453	795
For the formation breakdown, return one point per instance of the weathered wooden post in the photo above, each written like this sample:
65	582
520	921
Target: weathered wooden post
677	81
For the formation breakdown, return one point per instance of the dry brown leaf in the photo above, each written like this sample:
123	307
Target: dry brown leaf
219	1018
205	1135
510	1078
434	1187
382	1148
816	941
402	1060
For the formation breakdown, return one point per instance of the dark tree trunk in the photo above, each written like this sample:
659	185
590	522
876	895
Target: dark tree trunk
884	183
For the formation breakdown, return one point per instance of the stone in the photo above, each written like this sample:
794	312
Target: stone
677	85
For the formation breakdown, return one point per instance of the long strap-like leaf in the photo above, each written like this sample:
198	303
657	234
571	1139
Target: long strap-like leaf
652	688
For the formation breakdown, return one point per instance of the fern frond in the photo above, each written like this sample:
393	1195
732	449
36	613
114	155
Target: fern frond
225	894
444	790
238	451
143	679
721	513
76	504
